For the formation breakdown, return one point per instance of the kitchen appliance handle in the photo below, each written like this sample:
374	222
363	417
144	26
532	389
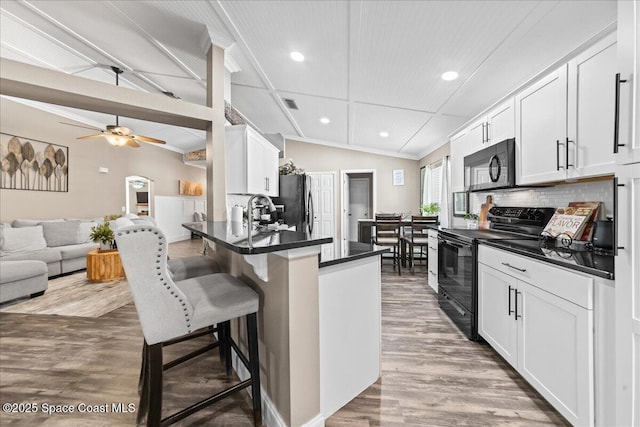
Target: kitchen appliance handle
310	213
509	297
616	117
518	316
455	305
522	270
616	196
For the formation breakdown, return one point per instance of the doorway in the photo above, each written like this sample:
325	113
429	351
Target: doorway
138	199
358	202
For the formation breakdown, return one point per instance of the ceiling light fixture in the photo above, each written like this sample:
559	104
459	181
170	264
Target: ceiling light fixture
325	120
297	56
384	134
449	76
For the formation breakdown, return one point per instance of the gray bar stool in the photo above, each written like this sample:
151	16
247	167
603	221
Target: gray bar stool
173	311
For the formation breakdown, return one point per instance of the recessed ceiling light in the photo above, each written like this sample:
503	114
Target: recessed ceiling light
449	75
297	56
325	120
384	134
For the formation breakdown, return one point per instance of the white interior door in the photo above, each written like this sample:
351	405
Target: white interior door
358	204
324	214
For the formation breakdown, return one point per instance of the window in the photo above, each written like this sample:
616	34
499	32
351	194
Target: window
430	183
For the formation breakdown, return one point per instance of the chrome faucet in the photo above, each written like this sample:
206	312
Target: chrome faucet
272	208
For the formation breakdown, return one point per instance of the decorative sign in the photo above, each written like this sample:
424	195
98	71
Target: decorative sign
28	164
398	177
190	188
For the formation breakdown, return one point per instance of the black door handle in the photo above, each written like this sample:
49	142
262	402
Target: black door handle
509	297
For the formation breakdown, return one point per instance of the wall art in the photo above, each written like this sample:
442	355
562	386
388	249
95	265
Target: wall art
28	164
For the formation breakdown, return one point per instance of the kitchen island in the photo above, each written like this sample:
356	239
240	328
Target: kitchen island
319	324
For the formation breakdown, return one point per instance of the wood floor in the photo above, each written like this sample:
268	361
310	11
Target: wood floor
431	374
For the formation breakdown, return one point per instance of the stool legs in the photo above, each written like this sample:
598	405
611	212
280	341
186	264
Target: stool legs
254	367
154	362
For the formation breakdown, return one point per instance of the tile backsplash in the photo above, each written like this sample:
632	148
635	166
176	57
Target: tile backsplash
552	197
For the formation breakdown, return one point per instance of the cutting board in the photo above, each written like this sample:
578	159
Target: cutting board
484	212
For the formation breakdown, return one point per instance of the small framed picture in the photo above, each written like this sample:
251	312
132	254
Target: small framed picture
460	203
398	177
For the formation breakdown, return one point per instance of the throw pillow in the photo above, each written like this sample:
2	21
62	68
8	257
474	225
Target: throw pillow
32	222
120	222
84	231
22	239
61	233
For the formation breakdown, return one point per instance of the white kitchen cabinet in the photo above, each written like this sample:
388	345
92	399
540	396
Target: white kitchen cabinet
628	150
590	113
496	311
432	259
541	129
251	162
458	149
501	122
540	319
627	296
495	126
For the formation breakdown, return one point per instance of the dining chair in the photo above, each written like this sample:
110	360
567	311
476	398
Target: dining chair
417	237
388	233
174	311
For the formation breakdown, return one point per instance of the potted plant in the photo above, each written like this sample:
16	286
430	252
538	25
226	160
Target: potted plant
288	168
472	220
430	209
103	235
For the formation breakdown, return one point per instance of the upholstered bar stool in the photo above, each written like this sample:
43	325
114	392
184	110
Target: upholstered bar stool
192	266
172	311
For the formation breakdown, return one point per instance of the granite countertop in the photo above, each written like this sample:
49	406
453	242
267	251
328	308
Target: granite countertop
597	264
234	237
356	250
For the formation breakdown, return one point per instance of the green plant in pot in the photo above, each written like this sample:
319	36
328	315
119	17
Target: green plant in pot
472	220
103	235
430	209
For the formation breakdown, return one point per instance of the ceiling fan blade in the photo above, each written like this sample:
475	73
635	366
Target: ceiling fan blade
147	139
132	143
81	126
99	135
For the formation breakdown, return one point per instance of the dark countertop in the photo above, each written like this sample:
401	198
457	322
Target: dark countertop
356	250
234	237
597	264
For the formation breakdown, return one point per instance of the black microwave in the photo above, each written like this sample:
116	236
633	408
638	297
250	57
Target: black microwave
491	168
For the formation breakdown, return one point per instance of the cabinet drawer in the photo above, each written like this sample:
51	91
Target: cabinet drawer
433	261
574	287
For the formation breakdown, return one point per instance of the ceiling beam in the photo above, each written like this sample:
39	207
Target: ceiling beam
40	84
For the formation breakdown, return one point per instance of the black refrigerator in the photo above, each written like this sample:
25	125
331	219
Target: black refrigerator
295	196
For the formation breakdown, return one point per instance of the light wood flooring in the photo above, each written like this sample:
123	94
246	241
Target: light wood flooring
431	374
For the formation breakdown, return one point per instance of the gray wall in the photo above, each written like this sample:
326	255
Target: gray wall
91	194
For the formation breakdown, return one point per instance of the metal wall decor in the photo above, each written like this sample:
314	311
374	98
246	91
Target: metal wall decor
28	164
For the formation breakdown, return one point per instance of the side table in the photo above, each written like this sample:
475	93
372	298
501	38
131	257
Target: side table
104	266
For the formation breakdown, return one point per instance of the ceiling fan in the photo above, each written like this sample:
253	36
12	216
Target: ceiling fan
119	135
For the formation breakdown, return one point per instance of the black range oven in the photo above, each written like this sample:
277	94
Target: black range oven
458	259
457	265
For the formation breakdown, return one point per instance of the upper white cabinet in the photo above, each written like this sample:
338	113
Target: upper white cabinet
251	162
541	129
458	149
590	111
501	122
564	122
628	100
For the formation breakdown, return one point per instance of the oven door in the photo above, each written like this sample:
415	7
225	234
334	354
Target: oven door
456	269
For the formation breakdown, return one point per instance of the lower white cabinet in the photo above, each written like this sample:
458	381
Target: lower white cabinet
547	338
432	259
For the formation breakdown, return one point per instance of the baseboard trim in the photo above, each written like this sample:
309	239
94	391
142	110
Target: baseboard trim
317	421
270	415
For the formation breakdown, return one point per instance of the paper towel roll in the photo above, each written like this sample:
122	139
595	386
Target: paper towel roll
236	227
236	214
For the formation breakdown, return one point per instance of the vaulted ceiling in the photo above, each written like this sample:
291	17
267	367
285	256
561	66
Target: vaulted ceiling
370	66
